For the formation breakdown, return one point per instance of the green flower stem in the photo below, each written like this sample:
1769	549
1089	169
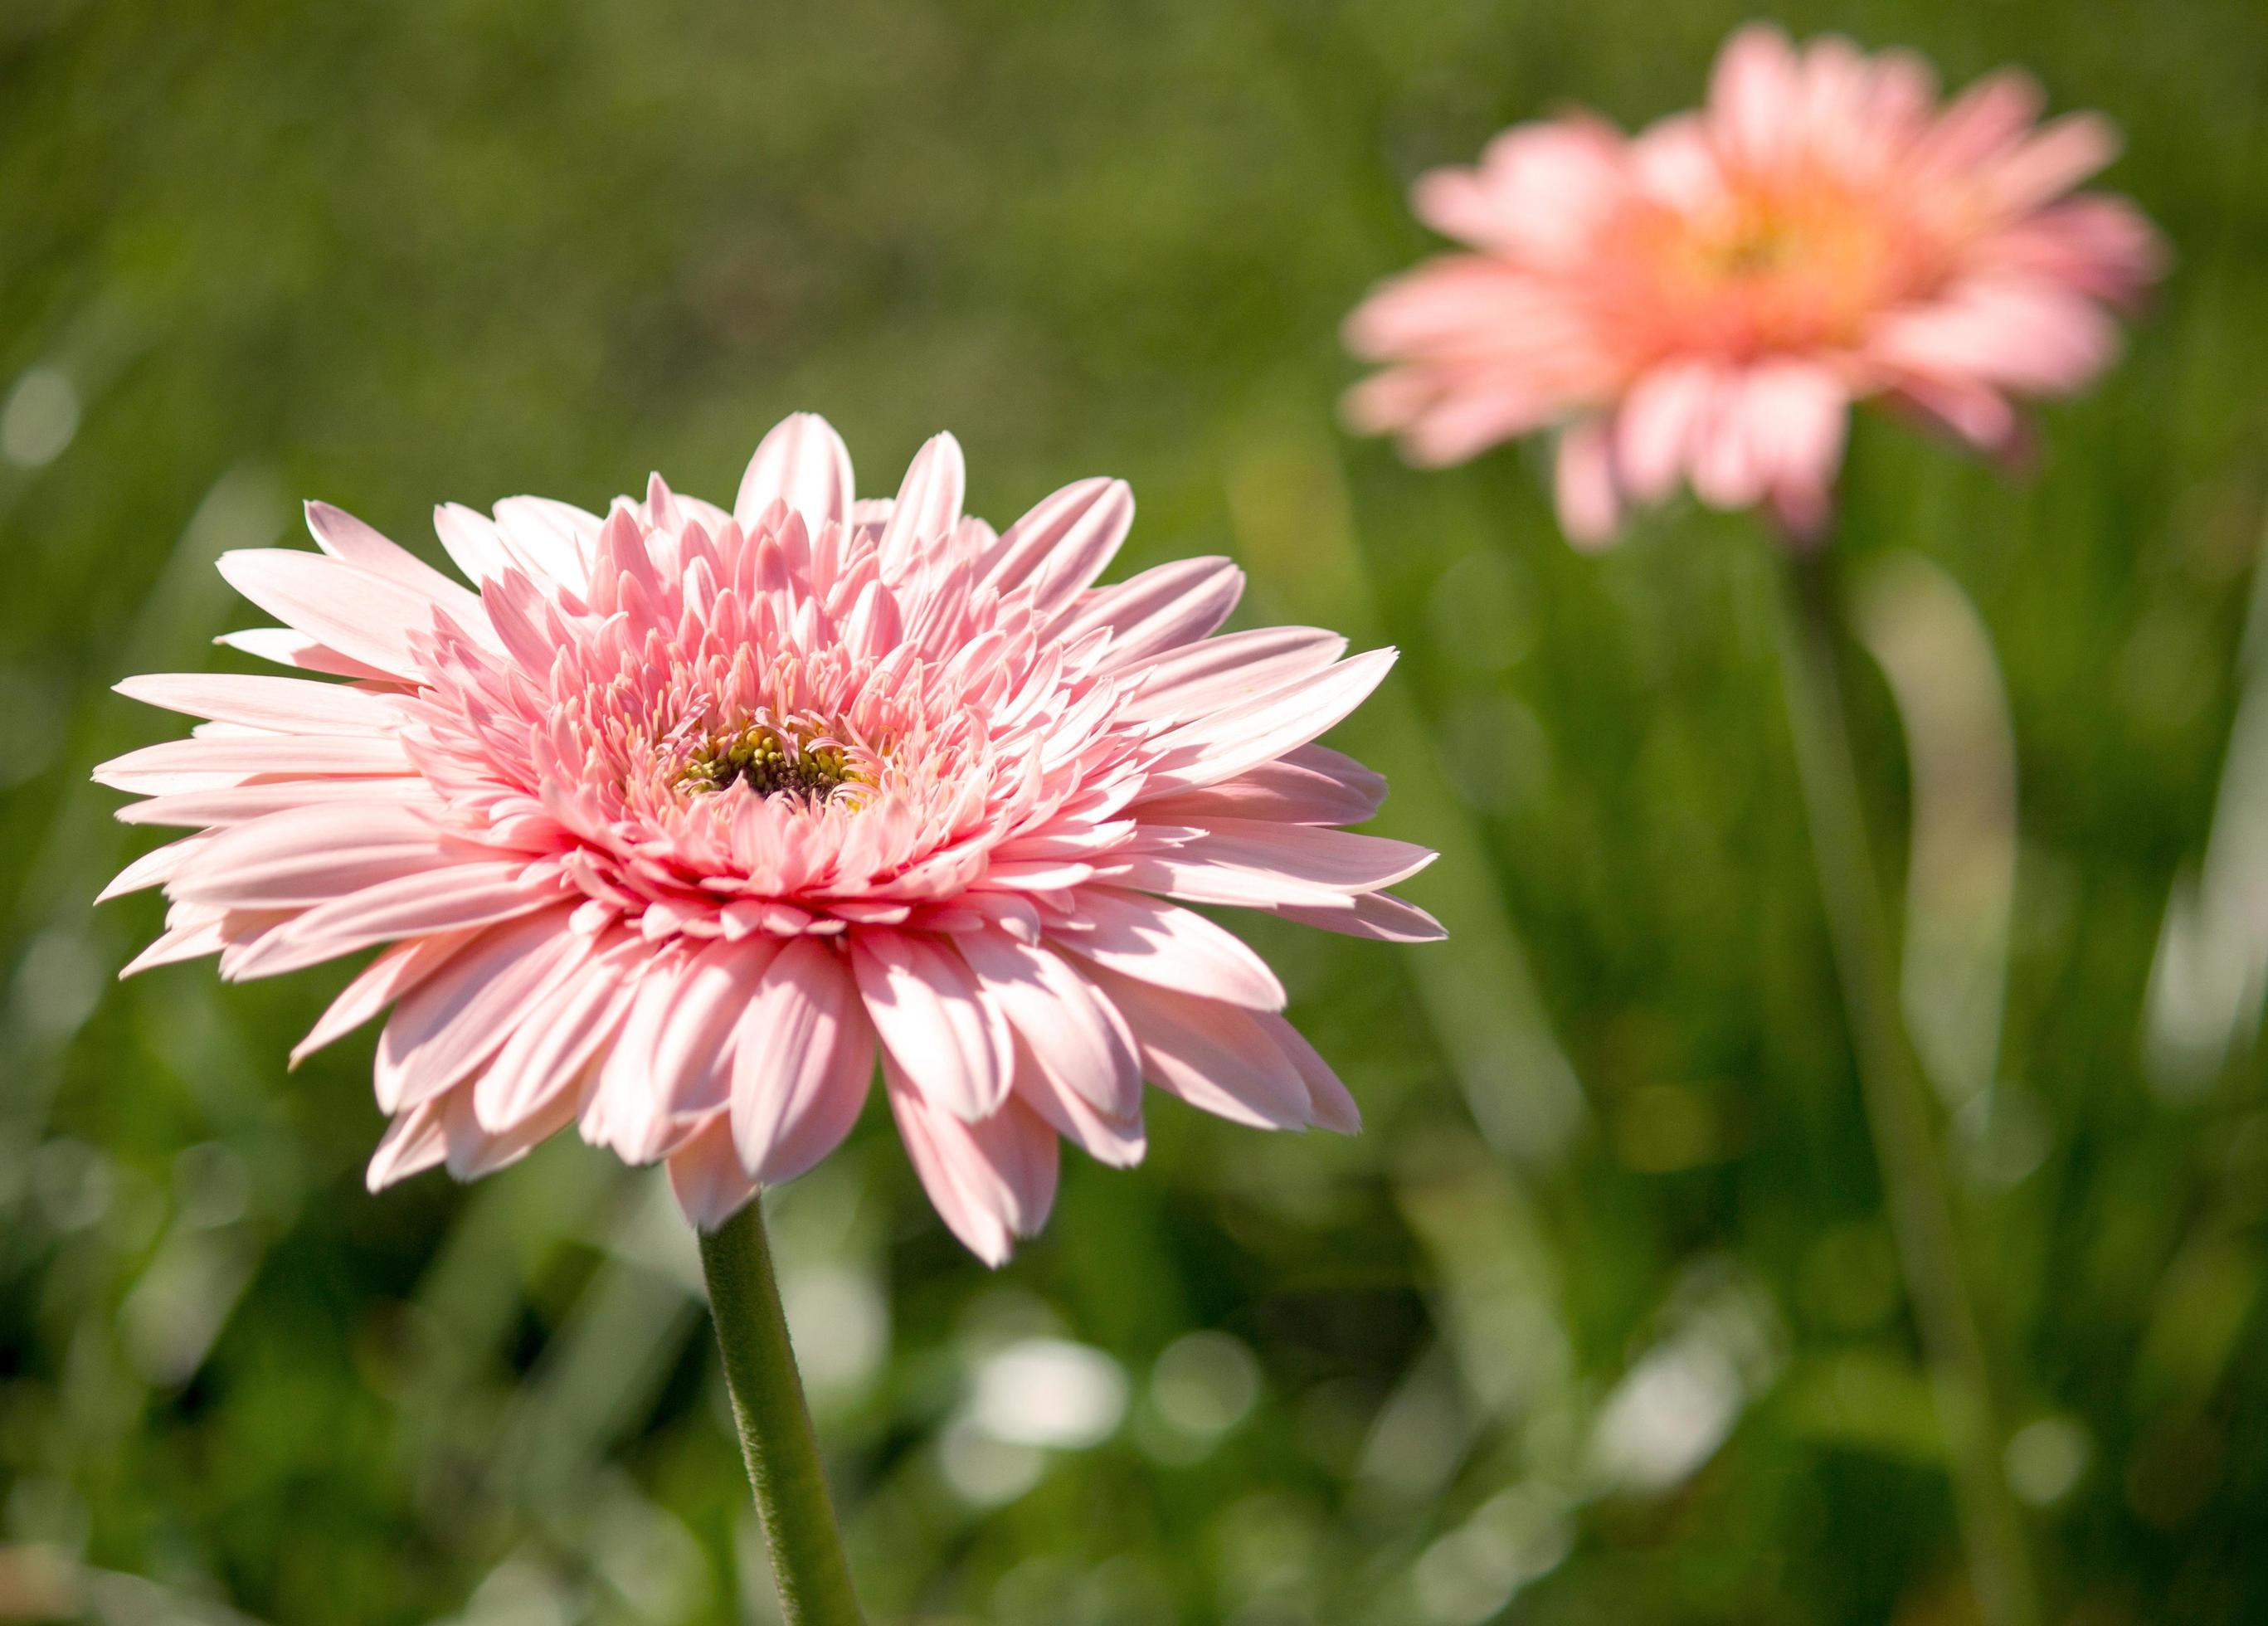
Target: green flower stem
776	1437
1900	1111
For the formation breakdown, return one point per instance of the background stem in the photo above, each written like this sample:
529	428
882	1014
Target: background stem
1899	1110
776	1437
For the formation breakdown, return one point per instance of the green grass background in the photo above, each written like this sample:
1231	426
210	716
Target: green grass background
1596	1325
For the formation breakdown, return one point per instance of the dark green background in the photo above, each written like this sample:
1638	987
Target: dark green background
390	254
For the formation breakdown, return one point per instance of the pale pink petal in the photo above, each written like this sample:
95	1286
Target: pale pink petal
706	1178
1329	1105
1069	1026
621	1112
230	804
1727	468
1379	917
475	1150
934	1019
448	899
1065	543
385	980
1754	95
552	541
472	541
462	1015
1156	942
1653	431
153	868
549	1049
1229	670
1590	508
1797	415
287	646
803	1058
285	705
803	463
928	504
1241	737
413	1143
1120	1142
350	541
215	760
1160	609
366	617
2054	160
1309	857
1296	788
309	855
1219	1058
991	1181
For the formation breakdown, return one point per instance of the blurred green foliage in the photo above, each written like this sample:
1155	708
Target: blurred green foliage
1597	1325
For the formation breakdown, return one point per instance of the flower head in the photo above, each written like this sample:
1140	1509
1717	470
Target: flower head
683	816
1703	300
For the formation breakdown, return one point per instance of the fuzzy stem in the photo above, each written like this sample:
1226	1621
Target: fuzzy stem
777	1438
1900	1113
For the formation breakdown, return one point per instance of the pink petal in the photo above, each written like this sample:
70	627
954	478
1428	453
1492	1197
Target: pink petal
475	1150
1727	472
706	1177
1248	860
1796	419
803	1058
1160	609
549	1050
1590	508
288	647
286	705
217	758
1296	788
552	541
933	1017
413	1143
153	868
1754	95
1154	941
448	899
385	980
1379	917
1654	430
366	617
1064	543
460	1016
1118	1142
1241	737
1329	1105
350	541
803	463
2054	161
991	1181
257	799
1219	1058
622	1112
928	504
1071	1029
308	856
1215	674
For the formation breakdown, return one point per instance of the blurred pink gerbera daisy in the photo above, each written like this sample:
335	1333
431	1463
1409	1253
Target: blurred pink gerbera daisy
683	811
1704	300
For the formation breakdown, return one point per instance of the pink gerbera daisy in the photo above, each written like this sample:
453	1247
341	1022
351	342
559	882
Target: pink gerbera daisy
682	816
1703	301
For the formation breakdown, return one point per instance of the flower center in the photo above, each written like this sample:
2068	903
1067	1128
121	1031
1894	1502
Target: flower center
1788	267
778	760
